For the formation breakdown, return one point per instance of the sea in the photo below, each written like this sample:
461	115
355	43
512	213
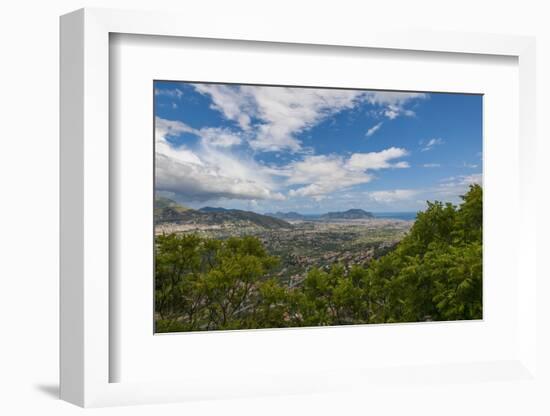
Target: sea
407	216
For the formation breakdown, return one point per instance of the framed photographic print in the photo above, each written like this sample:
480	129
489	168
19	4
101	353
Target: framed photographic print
280	206
279	213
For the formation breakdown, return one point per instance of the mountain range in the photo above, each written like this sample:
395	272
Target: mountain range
169	211
350	214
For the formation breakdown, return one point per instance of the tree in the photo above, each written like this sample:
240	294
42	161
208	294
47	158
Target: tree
207	284
435	272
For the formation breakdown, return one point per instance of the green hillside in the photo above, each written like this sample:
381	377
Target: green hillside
169	211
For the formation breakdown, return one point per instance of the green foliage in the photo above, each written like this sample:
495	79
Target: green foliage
207	284
434	273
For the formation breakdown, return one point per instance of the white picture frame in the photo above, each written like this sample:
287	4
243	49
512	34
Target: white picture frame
86	355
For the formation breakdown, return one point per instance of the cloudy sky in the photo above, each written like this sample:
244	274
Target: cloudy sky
314	150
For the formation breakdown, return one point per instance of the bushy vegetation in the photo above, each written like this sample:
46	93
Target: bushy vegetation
434	273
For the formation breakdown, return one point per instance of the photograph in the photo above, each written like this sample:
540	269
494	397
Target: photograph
243	208
304	206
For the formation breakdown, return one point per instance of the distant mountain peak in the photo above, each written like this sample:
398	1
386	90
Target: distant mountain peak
350	214
214	209
163	202
168	211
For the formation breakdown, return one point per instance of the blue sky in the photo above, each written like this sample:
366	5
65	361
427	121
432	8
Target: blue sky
314	150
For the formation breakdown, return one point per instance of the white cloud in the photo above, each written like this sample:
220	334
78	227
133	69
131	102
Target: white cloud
393	103
430	144
286	112
278	114
391	112
395	98
394	195
457	185
281	112
324	174
377	160
373	129
229	101
400	165
164	128
212	136
220	137
174	92
431	165
202	182
207	173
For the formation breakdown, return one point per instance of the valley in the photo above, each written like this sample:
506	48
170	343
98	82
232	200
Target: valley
353	237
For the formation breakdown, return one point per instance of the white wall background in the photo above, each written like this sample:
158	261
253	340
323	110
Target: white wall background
29	56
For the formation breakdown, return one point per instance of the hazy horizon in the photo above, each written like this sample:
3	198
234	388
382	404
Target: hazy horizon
199	207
